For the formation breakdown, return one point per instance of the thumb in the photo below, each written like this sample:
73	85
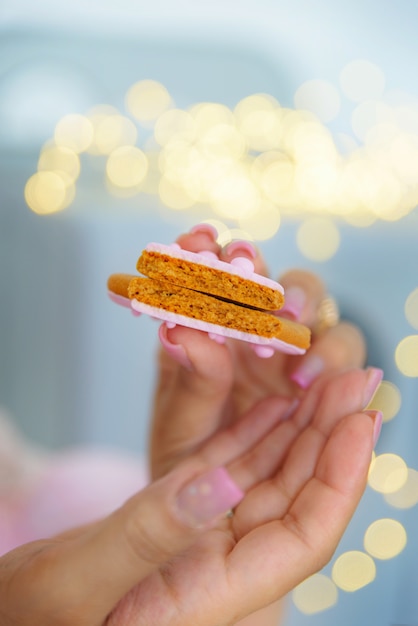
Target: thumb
102	564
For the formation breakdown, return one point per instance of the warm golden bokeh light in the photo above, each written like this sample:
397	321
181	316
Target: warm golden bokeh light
259	119
147	99
222	141
353	570
407	496
75	132
209	114
406	356
49	192
388	472
126	166
411	308
234	196
236	162
385	539
59	158
317	593
174	124
264	224
111	132
174	196
318	238
233	234
387	399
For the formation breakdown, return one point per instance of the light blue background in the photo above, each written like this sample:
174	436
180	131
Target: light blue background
76	369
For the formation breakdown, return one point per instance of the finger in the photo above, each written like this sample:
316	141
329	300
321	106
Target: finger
304	292
304	539
340	347
201	237
84	578
246	432
294	447
190	402
246	250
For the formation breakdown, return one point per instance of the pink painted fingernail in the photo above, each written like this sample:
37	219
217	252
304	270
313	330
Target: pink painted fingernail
208	497
207	229
377	417
374	378
241	248
312	366
175	350
295	299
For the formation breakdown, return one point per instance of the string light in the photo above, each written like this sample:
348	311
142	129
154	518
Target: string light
264	154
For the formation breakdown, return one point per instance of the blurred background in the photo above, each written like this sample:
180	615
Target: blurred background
290	123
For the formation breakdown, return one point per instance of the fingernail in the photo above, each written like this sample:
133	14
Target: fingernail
207	229
175	350
374	378
310	369
208	497
377	417
241	248
295	299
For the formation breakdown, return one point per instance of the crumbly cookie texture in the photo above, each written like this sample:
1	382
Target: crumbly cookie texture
211	276
179	300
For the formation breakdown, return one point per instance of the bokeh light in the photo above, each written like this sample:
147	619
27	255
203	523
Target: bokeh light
147	99
110	132
264	224
61	159
260	160
126	166
74	131
318	238
407	496
174	124
49	192
387	399
209	114
388	472
385	539
411	308
353	570
406	356
174	196
317	593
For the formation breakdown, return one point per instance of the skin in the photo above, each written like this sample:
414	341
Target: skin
300	455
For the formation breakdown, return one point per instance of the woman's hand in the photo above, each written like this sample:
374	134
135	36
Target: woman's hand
204	386
283	441
170	557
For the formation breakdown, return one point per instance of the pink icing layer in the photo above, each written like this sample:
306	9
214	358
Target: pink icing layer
265	345
240	267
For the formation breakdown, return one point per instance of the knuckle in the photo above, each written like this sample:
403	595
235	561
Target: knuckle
146	543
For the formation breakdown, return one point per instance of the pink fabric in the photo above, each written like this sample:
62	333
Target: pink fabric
77	486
